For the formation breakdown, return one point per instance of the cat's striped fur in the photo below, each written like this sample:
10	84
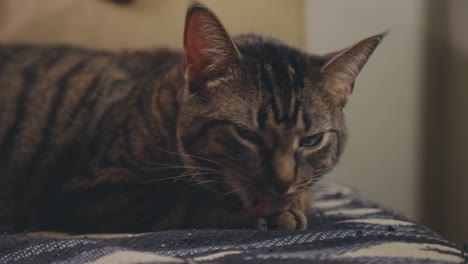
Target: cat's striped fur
134	141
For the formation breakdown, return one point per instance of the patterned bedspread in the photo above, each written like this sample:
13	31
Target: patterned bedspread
343	228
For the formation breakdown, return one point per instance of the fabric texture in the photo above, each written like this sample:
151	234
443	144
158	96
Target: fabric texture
343	228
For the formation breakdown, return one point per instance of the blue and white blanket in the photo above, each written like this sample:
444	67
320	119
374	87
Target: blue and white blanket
343	228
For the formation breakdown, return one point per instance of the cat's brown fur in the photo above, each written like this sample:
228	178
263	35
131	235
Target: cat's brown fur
138	141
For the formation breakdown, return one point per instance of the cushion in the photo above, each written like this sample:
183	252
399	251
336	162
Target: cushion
343	228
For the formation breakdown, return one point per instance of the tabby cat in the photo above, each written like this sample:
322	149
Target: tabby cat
230	133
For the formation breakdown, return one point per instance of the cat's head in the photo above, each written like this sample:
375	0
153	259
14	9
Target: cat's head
265	118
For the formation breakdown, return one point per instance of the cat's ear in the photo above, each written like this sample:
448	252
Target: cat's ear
208	49
341	69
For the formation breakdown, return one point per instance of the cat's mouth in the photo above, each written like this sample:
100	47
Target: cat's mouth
266	206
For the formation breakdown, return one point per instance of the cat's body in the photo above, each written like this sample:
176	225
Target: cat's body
80	124
125	142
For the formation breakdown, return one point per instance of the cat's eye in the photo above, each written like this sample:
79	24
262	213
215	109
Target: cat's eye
312	141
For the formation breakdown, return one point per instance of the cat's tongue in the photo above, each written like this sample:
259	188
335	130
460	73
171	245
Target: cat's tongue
270	206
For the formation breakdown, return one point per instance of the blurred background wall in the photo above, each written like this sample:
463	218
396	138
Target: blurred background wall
142	24
383	113
407	117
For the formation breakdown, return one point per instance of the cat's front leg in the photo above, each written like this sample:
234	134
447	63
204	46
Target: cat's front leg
294	218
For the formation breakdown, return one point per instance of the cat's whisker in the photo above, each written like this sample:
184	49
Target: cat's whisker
204	182
227	193
160	168
193	175
184	174
167	178
204	173
170	166
313	179
183	154
181	176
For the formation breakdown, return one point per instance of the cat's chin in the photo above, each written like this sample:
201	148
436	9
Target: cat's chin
270	205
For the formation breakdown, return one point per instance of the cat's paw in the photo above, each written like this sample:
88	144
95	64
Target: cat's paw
291	220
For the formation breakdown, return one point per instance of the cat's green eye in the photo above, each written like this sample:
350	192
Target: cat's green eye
311	141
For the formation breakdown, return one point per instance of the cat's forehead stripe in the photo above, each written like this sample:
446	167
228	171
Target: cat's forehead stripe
297	84
262	115
281	76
